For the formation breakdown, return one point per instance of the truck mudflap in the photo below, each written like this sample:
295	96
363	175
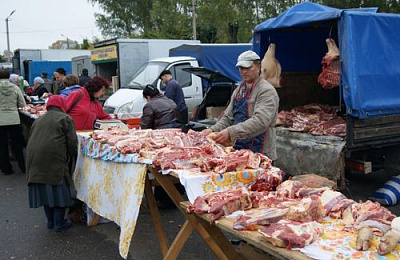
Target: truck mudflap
300	153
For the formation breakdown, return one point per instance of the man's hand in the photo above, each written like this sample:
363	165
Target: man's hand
206	131
28	98
223	138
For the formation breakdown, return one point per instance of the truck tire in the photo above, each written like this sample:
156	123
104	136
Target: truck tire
392	162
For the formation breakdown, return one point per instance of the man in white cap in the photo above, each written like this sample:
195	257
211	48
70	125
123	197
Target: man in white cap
38	87
250	117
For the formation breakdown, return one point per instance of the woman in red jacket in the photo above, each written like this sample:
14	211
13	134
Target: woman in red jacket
83	105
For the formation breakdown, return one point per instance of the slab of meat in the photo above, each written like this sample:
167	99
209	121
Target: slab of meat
330	198
330	75
314	181
289	189
292	235
222	203
268	181
270	67
256	219
308	209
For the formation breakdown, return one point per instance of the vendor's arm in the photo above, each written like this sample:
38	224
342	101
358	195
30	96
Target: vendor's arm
265	111
147	119
100	112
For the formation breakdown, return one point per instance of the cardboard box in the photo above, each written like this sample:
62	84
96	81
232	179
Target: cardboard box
214	112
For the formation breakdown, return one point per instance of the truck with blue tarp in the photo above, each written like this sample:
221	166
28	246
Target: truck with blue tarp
368	93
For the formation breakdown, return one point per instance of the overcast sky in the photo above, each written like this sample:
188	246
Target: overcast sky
36	24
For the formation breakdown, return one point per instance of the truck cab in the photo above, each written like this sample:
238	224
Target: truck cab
129	99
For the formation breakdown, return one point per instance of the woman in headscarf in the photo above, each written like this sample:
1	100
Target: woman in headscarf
52	144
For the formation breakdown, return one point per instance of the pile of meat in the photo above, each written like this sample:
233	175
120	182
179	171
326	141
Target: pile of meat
174	149
316	119
290	214
35	109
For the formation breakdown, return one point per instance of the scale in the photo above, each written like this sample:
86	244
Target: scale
105	124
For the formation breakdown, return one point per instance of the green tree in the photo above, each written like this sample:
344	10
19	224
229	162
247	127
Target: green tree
173	18
123	18
170	19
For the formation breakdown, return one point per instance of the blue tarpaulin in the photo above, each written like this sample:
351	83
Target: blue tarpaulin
369	45
221	57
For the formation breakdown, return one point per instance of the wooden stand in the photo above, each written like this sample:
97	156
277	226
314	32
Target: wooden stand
211	233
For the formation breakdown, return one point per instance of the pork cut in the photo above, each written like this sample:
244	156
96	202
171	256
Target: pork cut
270	67
330	75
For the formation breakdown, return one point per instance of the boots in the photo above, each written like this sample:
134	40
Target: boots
60	222
49	215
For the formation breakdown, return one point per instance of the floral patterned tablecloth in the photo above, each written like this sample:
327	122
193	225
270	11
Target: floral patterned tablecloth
337	244
112	190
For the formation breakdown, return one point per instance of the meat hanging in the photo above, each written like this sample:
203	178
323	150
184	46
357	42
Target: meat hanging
270	67
330	75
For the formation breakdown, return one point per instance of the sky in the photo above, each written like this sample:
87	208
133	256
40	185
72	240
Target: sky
36	24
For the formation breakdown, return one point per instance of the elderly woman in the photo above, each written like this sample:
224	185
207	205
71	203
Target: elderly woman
83	106
52	144
11	99
159	112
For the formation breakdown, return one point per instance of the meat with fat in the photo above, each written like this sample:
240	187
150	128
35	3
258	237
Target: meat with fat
330	75
270	67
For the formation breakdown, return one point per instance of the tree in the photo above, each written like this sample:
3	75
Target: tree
123	18
172	19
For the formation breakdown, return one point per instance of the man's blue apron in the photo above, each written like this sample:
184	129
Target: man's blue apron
240	114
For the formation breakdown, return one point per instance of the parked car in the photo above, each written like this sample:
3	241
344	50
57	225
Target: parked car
218	89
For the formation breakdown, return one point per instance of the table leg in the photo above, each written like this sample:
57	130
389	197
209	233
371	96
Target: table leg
155	214
214	238
179	241
169	187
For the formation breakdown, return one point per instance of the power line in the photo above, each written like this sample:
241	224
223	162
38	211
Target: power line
55	30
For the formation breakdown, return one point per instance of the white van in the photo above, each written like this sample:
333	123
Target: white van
129	99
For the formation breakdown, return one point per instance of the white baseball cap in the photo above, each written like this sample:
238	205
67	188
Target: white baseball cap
246	59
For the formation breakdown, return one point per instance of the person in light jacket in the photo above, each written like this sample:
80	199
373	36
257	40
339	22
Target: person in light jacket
11	99
250	117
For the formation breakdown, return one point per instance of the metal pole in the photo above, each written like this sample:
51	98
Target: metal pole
8	42
194	19
8	38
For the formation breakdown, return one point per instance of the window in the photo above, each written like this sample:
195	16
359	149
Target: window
184	78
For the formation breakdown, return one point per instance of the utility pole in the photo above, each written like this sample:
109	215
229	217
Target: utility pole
194	19
8	37
67	40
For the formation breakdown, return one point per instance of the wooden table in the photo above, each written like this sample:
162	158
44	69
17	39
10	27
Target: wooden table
211	234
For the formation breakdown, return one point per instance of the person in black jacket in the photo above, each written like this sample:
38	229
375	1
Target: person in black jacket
38	87
159	112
